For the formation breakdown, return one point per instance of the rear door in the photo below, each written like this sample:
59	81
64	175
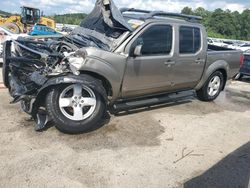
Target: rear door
147	74
190	59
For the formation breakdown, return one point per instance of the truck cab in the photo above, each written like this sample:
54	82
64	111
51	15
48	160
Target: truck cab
164	55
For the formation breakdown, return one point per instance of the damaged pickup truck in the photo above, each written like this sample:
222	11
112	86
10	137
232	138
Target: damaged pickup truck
115	60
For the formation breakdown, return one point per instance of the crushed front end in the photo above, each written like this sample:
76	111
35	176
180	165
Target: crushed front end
32	64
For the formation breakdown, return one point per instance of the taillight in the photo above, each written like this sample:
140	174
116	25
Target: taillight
242	57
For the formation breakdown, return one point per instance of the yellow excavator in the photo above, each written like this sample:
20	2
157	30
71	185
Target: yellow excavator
28	18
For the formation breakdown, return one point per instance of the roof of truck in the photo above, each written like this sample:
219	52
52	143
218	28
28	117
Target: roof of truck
151	16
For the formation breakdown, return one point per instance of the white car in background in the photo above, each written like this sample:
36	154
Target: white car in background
216	42
6	34
244	47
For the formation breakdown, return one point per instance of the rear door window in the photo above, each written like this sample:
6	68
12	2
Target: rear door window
156	40
190	40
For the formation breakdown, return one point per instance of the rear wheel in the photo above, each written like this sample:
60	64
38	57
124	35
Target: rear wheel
212	88
75	108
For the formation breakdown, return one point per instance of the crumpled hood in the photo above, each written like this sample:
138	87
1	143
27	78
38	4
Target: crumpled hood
107	19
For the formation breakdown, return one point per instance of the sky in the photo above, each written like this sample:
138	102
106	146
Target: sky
51	7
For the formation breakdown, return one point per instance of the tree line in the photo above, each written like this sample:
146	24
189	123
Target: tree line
74	19
224	24
219	23
3	13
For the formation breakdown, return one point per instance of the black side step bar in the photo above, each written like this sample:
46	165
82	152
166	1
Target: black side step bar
140	103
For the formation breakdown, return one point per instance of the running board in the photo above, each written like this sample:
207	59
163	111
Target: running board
156	100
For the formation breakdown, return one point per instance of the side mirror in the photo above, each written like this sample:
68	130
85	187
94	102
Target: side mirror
137	51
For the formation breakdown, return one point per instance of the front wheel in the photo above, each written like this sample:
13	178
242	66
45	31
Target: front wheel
75	108
212	88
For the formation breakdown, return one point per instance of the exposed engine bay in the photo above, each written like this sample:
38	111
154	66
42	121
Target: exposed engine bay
32	65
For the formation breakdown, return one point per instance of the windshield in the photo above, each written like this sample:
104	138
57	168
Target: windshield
104	27
87	40
86	37
106	19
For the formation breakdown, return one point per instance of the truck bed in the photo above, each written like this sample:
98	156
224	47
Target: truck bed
231	56
218	48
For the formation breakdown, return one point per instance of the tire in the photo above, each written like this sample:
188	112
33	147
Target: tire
67	119
212	88
5	68
12	27
239	76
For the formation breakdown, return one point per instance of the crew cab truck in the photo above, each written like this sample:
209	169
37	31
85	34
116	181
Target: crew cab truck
139	59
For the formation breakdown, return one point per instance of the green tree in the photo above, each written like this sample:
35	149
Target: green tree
201	12
223	22
74	19
245	25
187	10
206	15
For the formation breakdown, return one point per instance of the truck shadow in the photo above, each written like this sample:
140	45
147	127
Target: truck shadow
231	172
127	130
137	127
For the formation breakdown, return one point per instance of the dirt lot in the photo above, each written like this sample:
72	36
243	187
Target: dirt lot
189	144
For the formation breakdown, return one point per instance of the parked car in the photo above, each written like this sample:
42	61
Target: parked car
230	44
102	67
245	66
216	42
6	34
39	30
244	47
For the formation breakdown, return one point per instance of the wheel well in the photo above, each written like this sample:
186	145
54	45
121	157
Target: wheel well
224	72
106	84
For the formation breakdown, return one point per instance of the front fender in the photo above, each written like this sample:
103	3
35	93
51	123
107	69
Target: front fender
109	65
106	70
217	65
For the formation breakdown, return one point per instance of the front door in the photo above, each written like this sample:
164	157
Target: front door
147	73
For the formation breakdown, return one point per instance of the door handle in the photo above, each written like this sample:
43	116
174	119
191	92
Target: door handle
199	61
169	63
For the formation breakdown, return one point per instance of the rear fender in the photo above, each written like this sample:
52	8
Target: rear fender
217	65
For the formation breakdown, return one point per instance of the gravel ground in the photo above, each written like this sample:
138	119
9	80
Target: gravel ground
188	144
